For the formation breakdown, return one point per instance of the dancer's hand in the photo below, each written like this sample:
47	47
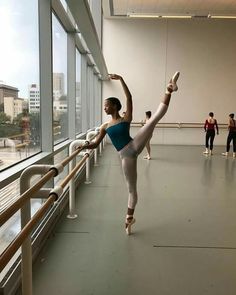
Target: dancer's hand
115	77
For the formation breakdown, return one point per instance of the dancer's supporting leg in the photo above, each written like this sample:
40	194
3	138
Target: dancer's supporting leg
129	166
207	142
211	141
229	139
148	147
234	145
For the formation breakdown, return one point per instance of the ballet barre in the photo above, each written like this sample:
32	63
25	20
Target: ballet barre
179	125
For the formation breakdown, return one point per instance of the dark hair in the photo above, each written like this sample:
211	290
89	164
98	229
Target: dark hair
148	114
231	116
114	101
211	114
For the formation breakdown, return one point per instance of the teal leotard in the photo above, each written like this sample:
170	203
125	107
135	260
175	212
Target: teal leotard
119	134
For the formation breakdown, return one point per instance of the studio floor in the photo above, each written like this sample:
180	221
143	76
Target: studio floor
183	242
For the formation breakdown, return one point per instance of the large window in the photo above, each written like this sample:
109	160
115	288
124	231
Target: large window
19	81
78	121
60	103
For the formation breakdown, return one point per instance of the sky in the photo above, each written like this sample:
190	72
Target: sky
19	51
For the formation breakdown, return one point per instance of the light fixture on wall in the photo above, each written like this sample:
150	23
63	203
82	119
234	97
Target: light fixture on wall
138	15
176	16
223	16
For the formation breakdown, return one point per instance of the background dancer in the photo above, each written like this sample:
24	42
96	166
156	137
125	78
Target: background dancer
148	147
209	127
231	136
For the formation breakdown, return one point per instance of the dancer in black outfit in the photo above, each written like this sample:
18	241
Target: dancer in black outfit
231	136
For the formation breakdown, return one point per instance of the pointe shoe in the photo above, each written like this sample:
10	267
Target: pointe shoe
172	86
225	154
175	78
128	225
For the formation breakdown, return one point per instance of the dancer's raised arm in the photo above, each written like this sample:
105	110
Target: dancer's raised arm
129	103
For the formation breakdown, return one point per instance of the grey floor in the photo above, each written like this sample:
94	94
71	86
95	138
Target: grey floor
184	240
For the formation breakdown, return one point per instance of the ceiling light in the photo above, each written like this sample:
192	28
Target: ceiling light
136	15
143	15
176	16
222	16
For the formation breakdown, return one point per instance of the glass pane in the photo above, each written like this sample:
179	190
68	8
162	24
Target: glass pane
78	93
19	81
60	105
9	230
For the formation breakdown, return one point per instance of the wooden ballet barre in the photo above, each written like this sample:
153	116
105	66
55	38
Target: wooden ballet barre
8	253
73	172
10	211
77	151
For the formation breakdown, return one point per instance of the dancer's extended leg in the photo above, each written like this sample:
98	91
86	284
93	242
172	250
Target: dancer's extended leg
145	132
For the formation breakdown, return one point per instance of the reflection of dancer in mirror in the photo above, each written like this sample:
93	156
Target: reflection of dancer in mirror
209	127
148	147
231	136
129	149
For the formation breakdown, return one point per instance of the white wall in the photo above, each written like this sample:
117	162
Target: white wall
148	52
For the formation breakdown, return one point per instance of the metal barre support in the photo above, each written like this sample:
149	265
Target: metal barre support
90	135
6	214
72	213
72	147
18	241
26	249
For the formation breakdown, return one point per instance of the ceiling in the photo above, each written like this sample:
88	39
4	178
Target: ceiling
123	8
